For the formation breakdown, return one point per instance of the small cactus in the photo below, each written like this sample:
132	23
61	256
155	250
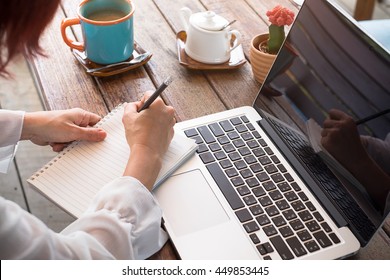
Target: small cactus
279	17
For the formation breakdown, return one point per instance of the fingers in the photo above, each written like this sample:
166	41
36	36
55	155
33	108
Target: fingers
131	108
58	147
335	114
146	96
83	118
338	119
91	134
92	118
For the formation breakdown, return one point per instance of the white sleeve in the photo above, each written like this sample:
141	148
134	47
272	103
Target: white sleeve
11	123
123	222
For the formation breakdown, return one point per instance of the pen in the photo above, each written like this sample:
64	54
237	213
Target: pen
373	116
158	91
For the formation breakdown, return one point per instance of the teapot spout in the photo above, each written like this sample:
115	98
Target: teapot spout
185	14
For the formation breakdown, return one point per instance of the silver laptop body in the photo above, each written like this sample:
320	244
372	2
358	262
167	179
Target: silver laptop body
248	194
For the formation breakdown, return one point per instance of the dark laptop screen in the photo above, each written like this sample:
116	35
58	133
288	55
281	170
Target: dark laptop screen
328	62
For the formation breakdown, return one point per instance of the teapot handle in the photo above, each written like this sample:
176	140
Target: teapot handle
237	39
185	14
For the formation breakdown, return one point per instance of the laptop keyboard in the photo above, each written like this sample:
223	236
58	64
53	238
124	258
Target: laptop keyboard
260	190
328	182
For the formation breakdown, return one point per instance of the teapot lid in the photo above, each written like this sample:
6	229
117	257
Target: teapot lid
209	21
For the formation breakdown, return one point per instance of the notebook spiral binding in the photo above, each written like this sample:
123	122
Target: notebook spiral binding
75	143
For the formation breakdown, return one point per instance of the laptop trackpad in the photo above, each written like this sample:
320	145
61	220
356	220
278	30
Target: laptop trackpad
189	204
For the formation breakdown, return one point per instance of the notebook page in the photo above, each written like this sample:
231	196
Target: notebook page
76	174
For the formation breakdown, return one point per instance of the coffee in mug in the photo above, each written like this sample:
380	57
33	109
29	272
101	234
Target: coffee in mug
107	27
106	15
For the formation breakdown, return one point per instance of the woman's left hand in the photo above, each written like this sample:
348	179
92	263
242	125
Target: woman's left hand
59	128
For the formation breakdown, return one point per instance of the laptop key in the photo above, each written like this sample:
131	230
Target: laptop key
206	157
334	238
286	231
214	147
318	216
250	126
261	249
304	235
202	148
245	119
241	128
270	230
237	181
249	200
226	125
255	239
223	140
313	225
256	210
225	186
265	201
322	239
191	132
226	163
296	246
281	248
312	246
282	204
296	225
233	135
206	134
267	246
243	190
262	176
263	220
252	182
289	214
259	191
236	121
216	129
259	152
231	172
243	215
251	227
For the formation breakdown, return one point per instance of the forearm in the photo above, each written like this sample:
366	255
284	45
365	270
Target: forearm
374	179
143	165
29	123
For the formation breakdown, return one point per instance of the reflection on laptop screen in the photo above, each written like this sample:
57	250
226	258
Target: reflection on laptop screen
328	62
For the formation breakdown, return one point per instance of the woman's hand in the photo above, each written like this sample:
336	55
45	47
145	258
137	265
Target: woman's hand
148	134
59	128
340	137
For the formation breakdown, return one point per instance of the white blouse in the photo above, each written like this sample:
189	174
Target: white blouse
122	222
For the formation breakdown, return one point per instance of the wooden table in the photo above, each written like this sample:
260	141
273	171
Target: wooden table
63	83
364	9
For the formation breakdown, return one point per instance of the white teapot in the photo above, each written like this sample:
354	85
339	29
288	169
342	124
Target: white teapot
207	39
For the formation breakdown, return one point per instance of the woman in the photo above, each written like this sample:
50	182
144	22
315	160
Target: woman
123	221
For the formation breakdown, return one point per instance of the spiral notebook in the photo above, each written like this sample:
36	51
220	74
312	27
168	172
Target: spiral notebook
76	174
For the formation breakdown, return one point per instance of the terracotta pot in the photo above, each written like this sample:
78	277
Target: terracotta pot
261	61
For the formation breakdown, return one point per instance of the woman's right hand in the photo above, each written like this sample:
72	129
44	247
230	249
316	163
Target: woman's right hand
148	134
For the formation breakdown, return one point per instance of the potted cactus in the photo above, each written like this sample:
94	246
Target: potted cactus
264	47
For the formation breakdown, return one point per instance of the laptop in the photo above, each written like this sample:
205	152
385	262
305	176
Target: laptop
255	188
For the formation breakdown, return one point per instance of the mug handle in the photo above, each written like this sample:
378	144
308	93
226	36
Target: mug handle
236	41
71	43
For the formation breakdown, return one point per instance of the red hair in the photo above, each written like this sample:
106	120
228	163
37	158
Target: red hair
21	25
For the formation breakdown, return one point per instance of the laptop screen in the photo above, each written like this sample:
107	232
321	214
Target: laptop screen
329	62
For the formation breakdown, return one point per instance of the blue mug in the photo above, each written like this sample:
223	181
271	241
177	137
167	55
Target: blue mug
107	27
